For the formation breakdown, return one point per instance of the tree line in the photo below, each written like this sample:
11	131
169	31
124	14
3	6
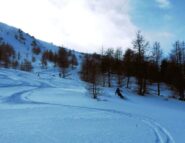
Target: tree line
62	58
143	62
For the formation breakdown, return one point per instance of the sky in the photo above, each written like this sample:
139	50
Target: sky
89	25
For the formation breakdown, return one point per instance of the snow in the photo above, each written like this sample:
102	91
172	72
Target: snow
49	109
24	47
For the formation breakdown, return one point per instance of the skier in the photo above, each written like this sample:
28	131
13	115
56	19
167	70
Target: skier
118	92
38	75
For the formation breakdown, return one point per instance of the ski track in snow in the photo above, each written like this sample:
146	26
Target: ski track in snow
22	97
161	134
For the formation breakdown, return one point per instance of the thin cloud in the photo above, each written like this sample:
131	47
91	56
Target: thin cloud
163	3
84	25
88	24
163	37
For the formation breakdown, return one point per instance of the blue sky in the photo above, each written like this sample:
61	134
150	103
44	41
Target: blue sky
87	25
159	21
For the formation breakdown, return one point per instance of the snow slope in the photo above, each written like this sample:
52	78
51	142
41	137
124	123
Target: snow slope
22	42
49	109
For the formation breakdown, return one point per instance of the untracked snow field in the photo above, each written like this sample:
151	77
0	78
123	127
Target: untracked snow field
49	109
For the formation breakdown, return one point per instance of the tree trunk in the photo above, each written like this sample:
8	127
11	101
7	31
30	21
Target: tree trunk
144	86
181	93
109	79
103	79
94	91
140	86
128	80
158	89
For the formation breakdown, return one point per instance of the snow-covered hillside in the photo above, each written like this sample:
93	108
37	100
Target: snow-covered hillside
20	40
23	43
49	109
30	52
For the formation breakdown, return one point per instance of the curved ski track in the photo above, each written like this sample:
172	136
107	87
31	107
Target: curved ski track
162	135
